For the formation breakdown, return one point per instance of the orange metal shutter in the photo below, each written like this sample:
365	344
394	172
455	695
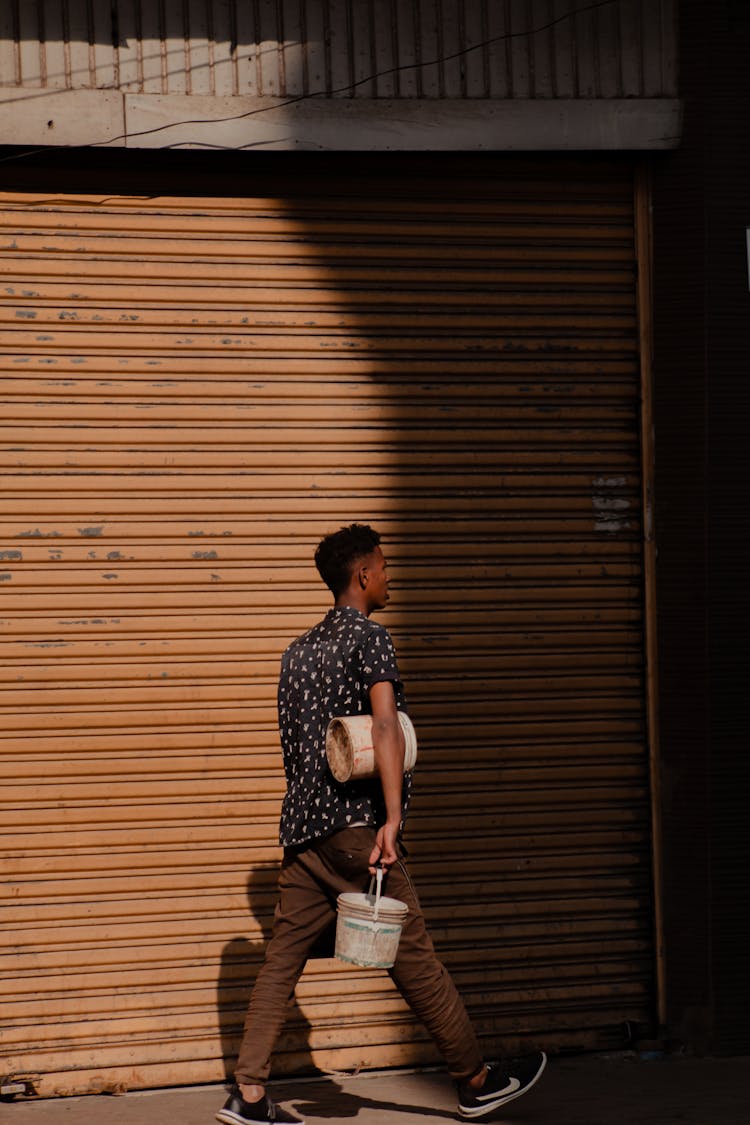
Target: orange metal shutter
196	389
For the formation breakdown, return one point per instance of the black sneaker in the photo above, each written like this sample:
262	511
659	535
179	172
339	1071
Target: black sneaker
236	1111
502	1084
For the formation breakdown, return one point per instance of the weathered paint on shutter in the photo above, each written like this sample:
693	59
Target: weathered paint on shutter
196	389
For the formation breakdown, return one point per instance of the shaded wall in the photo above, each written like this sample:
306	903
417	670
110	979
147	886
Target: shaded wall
702	343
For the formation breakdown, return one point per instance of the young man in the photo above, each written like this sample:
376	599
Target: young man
335	834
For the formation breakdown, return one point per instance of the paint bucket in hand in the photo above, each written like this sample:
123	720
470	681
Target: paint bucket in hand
368	927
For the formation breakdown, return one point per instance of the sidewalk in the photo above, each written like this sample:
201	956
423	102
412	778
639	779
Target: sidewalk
580	1090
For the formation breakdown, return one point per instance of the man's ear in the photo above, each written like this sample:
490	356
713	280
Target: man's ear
363	577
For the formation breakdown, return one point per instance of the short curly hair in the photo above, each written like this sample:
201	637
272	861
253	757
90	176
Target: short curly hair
338	552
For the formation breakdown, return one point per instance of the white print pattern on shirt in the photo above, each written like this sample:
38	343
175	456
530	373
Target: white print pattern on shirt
326	673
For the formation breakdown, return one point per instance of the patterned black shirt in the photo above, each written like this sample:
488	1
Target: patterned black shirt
326	673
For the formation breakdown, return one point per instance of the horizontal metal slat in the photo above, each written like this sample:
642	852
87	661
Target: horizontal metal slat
506	220
596	274
546	241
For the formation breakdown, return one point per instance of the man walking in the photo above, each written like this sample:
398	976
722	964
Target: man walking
335	835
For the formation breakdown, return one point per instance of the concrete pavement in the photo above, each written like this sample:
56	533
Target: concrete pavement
623	1089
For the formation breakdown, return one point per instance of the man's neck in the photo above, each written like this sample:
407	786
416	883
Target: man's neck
349	600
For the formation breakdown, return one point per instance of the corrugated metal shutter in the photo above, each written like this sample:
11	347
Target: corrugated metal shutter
196	390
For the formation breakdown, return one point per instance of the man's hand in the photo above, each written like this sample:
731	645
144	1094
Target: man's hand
384	853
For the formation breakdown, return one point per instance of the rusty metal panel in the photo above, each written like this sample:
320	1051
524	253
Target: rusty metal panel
454	49
196	390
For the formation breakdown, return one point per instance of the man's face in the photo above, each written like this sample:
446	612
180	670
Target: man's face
377	579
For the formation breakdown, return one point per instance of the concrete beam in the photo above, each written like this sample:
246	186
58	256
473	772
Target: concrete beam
61	117
110	118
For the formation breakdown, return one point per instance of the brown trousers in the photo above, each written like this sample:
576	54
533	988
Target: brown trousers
311	878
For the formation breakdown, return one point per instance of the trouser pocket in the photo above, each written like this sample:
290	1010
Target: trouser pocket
348	852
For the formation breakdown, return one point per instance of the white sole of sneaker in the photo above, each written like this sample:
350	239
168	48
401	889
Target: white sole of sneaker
227	1117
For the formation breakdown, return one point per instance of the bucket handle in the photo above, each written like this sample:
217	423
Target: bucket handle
378	876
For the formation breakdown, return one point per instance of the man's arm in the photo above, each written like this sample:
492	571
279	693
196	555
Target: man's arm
388	745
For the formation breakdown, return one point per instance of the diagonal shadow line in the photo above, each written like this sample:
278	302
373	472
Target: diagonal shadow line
337	1104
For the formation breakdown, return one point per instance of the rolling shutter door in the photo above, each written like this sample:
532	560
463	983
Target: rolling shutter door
196	390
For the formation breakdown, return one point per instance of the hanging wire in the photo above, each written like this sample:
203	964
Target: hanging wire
317	94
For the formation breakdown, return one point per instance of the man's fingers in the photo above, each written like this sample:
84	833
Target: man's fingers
384	853
382	861
379	859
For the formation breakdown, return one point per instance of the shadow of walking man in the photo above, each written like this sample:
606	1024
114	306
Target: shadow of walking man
241	960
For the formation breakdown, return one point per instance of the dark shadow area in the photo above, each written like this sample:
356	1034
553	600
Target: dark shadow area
241	960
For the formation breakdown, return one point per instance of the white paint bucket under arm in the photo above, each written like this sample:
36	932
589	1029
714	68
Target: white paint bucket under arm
350	751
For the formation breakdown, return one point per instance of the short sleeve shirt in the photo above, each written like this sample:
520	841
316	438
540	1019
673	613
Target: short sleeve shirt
327	673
